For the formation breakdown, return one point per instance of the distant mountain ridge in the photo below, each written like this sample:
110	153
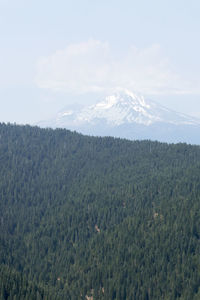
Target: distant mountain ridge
128	115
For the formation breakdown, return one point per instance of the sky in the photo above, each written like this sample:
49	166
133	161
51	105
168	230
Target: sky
57	53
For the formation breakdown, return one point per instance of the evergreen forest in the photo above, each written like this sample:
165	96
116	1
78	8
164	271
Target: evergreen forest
97	218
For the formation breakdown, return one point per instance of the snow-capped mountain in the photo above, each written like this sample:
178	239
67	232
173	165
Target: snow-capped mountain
128	115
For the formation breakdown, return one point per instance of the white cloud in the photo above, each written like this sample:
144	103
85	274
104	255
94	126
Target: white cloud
93	66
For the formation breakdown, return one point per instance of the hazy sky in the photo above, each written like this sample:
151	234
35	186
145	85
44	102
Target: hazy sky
55	53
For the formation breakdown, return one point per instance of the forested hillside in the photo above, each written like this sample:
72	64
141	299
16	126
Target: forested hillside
97	218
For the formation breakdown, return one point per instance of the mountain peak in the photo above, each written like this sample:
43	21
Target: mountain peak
122	112
125	97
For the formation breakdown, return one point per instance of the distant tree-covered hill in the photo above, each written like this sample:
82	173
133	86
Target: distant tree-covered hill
97	218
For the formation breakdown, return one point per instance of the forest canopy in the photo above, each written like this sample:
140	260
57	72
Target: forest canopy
97	217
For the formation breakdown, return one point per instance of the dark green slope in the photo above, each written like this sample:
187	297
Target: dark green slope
98	216
15	286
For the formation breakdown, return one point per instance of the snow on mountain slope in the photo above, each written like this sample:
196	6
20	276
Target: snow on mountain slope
128	115
122	108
